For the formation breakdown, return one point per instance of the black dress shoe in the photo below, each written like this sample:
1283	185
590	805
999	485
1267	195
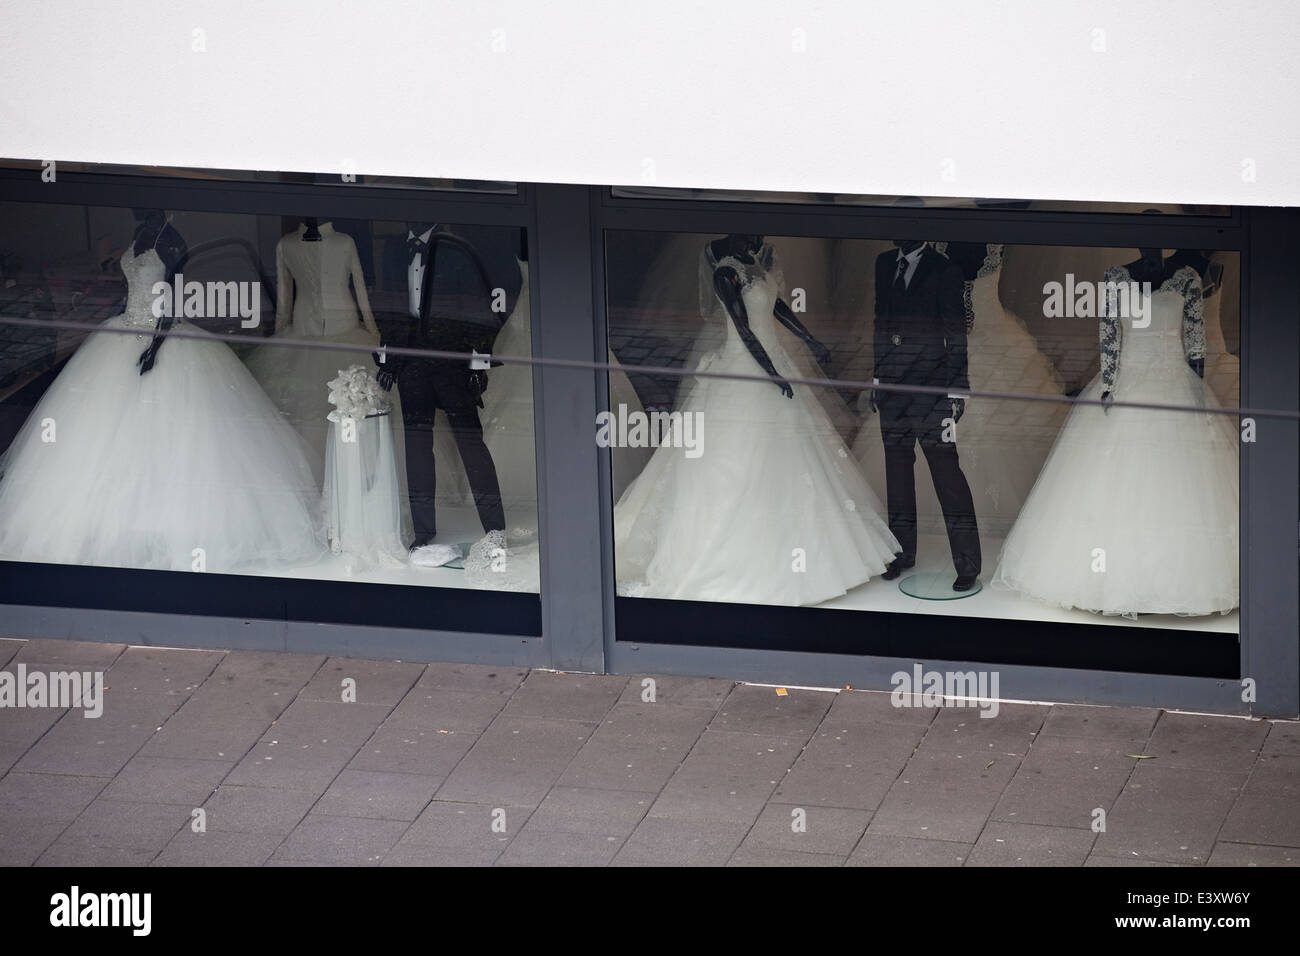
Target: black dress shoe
965	582
897	567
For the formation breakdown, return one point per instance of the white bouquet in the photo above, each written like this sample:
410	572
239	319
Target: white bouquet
356	394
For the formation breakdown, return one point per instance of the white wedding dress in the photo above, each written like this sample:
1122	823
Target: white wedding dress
1001	443
772	510
1136	510
187	467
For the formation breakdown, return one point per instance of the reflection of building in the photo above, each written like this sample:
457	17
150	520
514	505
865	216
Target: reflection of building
620	268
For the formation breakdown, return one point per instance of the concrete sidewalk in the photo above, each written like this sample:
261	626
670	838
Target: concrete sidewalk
473	765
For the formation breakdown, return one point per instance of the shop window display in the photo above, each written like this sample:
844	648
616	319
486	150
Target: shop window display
766	490
233	404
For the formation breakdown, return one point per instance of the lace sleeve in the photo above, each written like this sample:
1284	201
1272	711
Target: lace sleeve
1188	284
968	304
1111	326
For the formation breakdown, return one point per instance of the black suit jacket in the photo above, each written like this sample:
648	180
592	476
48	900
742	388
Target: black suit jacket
456	295
920	333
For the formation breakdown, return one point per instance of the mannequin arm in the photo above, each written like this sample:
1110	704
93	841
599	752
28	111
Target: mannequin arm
785	315
727	284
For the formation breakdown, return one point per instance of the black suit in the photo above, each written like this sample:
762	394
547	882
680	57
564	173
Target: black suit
920	339
455	315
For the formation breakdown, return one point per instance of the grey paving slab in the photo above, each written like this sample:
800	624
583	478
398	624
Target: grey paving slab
190	733
1268	811
475	827
265	811
8	648
1218	744
215	848
293	669
761	710
163	671
583	697
516	761
1283	738
1249	854
1021	844
44	798
880	850
340	841
766	856
875	707
820	830
475	678
703	693
80	854
68	654
961	730
419	854
1120	723
241	698
580	810
396	749
372	682
1098	860
127	824
307	721
438	708
536	847
385	796
294	766
727	777
177	780
20	729
612	765
661	841
1064	780
97	746
849	764
942	797
22	841
637	724
1169	813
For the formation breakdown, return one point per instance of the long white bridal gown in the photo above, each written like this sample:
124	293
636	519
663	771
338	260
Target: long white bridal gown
187	467
770	509
1002	443
1136	510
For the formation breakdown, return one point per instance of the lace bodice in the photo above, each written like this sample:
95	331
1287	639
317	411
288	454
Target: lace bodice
761	284
141	272
1174	329
313	283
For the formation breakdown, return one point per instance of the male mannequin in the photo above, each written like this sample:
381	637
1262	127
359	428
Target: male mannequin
448	309
920	339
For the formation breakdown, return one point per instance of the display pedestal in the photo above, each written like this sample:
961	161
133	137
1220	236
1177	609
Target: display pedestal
936	586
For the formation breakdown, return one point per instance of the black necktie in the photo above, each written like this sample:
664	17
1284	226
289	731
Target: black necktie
415	246
900	280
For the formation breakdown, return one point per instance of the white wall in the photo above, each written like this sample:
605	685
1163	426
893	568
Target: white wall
1159	101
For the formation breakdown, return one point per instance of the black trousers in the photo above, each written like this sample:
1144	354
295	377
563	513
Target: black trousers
426	387
905	421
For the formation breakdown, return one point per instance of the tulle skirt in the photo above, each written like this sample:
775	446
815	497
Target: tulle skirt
1135	511
188	467
772	510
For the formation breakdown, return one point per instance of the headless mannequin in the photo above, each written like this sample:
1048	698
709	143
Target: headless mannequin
1153	267
727	283
155	232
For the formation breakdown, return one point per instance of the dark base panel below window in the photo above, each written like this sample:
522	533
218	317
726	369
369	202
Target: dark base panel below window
267	598
1142	650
